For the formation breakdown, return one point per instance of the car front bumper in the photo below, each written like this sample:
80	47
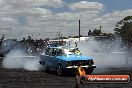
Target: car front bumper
74	68
86	66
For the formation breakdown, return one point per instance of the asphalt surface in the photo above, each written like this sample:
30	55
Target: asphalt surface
20	78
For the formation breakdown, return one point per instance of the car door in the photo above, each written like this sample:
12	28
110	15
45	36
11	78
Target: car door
44	56
48	57
54	59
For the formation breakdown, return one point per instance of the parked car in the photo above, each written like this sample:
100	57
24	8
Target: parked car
65	58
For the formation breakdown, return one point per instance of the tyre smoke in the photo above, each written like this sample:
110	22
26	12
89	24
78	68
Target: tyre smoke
17	59
106	54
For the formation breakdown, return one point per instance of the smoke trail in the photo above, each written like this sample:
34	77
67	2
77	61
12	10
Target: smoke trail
106	54
18	59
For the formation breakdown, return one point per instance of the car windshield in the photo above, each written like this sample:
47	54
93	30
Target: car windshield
70	51
62	51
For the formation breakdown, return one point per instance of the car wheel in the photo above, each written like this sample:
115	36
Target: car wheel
59	70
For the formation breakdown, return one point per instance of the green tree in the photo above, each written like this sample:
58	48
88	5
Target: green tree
124	29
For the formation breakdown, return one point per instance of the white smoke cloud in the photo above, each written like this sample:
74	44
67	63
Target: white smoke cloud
16	59
104	54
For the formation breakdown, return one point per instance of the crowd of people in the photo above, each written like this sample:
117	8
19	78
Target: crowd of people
28	45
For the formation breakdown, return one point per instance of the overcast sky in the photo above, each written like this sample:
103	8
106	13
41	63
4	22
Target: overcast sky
44	18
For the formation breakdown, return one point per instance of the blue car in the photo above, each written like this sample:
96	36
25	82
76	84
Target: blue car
65	58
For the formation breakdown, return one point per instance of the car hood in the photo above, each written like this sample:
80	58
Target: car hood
75	57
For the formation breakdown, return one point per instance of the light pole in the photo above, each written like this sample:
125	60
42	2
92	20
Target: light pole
79	30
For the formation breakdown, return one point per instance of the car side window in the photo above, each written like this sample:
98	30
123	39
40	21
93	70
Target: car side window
58	52
47	52
54	52
50	51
